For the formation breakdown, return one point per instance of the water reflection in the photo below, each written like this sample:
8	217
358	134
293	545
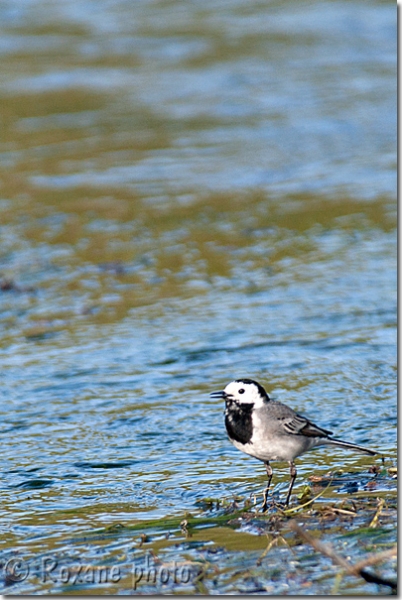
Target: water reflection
189	195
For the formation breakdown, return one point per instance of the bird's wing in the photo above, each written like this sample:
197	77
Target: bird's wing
298	425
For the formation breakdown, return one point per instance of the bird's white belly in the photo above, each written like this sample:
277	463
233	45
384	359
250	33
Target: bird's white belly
275	447
272	451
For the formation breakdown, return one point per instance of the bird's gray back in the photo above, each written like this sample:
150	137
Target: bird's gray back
274	411
285	421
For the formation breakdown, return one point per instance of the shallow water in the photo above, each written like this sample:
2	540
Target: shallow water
189	195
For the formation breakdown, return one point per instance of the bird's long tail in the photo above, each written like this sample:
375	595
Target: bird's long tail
355	447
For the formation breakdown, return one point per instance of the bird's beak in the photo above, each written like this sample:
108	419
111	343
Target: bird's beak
221	394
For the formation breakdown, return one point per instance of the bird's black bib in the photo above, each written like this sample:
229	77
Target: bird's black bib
238	421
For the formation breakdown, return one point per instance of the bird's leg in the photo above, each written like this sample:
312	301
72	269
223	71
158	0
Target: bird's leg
293	474
268	469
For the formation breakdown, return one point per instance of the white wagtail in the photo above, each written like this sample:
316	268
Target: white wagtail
270	430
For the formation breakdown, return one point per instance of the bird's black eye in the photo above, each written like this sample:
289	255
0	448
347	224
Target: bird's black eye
241	391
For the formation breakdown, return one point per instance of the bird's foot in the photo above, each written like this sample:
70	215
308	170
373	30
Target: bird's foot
270	503
264	506
273	504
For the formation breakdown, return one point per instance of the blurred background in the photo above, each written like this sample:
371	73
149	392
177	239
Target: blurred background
191	192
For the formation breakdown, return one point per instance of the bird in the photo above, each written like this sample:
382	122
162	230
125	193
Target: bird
271	431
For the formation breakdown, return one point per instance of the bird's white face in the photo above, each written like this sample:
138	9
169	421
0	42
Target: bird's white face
246	392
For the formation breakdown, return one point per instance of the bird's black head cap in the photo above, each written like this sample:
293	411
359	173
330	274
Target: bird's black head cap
261	390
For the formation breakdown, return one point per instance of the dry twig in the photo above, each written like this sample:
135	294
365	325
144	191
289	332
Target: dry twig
380	506
301	506
272	543
357	569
